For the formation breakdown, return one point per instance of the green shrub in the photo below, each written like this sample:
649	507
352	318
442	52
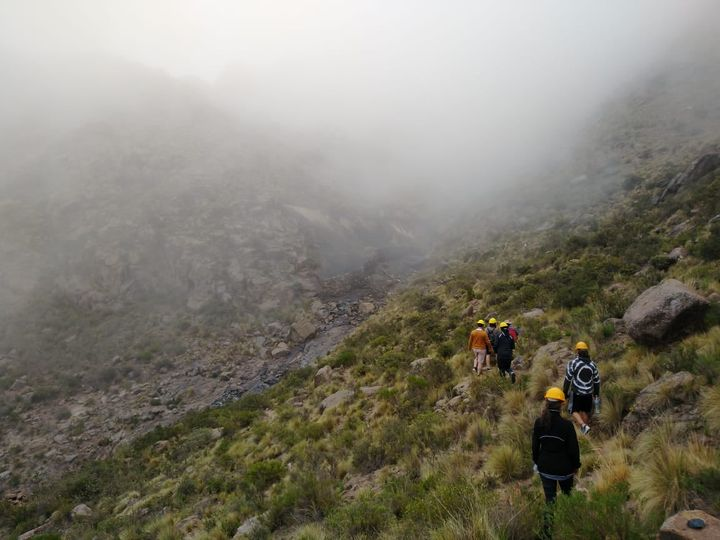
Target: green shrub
365	516
708	247
346	357
262	474
437	371
604	512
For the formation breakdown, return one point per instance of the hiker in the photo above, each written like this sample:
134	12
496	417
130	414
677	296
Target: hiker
582	380
555	451
492	332
512	331
504	346
480	345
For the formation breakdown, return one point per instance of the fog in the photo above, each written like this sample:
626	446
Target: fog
394	96
164	145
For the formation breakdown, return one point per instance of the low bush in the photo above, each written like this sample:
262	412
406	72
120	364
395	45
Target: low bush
366	516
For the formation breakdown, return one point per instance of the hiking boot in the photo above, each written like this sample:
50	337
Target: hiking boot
585	429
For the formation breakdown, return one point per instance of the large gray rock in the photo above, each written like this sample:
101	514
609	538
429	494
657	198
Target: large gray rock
333	400
663	311
304	329
676	527
671	395
81	511
323	375
558	351
248	527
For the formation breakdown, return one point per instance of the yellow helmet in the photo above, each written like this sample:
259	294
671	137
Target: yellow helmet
581	346
503	325
492	321
481	322
555	394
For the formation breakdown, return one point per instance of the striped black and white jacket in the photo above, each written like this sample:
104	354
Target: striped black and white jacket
582	376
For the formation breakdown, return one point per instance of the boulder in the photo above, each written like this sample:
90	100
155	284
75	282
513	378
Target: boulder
280	350
663	311
303	329
558	351
670	394
81	511
323	375
366	308
417	365
247	527
370	390
676	527
678	253
533	313
333	400
714	298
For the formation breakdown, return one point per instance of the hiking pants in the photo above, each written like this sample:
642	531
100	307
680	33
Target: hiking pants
479	357
550	487
505	366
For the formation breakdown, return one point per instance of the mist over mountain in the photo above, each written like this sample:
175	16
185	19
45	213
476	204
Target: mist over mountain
196	200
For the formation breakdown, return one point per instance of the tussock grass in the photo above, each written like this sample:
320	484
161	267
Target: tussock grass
710	406
312	531
478	433
514	401
660	479
543	374
506	462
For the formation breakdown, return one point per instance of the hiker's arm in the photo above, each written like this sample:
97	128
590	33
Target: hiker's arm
596	383
488	345
573	448
568	380
535	443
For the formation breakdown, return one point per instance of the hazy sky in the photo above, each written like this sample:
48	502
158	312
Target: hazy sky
454	88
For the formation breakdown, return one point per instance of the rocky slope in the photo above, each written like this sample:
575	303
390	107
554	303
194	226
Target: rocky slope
391	436
160	254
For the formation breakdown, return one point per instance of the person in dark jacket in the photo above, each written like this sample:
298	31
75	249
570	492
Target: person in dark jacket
504	346
555	449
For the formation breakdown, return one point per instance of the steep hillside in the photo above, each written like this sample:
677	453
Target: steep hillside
156	255
392	436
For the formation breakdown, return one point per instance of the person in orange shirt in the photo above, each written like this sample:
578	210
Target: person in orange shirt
480	345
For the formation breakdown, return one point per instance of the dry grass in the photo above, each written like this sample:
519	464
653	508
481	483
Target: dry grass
543	374
478	433
505	462
663	466
515	401
710	406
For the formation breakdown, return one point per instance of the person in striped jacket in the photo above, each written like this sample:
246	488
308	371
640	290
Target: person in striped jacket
582	381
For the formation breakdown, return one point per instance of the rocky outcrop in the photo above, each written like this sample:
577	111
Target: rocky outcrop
671	395
333	400
699	168
557	351
533	313
418	364
663	312
690	525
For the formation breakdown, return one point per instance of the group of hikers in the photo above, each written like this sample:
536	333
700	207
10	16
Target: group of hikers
555	448
494	344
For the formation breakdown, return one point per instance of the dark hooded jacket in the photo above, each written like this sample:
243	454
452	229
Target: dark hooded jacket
555	450
504	345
